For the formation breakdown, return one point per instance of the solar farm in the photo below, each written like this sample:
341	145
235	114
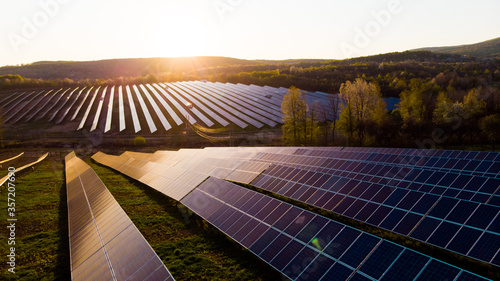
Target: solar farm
305	213
150	108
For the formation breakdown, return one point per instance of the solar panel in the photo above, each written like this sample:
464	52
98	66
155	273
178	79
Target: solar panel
244	105
165	105
197	104
89	107
68	108
121	109
54	103
257	97
20	169
458	225
64	102
99	109
81	103
181	98
133	111
110	110
12	158
157	110
145	111
10	99
20	99
249	100
176	104
392	208
209	101
435	219
240	111
175	182
265	97
306	246
25	110
104	242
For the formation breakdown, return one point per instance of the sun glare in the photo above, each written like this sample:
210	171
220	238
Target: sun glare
179	34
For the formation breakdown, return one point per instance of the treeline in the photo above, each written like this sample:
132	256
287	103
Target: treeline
426	117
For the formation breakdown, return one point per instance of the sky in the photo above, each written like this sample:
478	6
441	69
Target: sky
80	30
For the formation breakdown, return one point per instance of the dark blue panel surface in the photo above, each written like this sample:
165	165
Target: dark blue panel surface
287	254
462	212
443	207
443	234
316	269
342	242
486	247
300	262
425	229
407	266
407	223
264	241
338	272
359	250
381	259
438	271
464	240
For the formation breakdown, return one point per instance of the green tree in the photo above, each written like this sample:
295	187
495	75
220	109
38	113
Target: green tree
313	130
460	118
359	100
294	109
489	126
334	108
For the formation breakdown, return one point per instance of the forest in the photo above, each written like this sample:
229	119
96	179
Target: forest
446	99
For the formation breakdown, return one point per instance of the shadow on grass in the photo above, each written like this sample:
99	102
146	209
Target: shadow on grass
63	271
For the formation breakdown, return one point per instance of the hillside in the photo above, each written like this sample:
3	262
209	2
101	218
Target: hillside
109	69
193	67
486	49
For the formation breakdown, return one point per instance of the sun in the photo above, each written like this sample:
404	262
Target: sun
179	33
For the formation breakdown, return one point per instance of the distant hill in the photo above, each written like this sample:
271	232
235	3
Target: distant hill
420	56
189	67
114	68
486	49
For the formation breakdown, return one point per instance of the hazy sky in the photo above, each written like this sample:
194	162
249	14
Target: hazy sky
249	29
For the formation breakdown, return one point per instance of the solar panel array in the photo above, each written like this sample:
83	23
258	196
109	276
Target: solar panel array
401	210
104	242
22	168
356	184
306	246
154	107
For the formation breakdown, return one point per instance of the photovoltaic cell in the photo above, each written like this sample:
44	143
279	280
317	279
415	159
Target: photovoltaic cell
257	221
104	243
322	250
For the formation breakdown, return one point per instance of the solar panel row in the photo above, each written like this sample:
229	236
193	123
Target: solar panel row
306	246
482	188
466	227
300	244
459	225
22	168
212	103
104	243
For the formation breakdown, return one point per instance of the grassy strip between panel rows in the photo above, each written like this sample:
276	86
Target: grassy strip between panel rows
190	247
41	230
472	265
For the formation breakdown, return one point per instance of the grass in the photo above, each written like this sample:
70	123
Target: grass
42	251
